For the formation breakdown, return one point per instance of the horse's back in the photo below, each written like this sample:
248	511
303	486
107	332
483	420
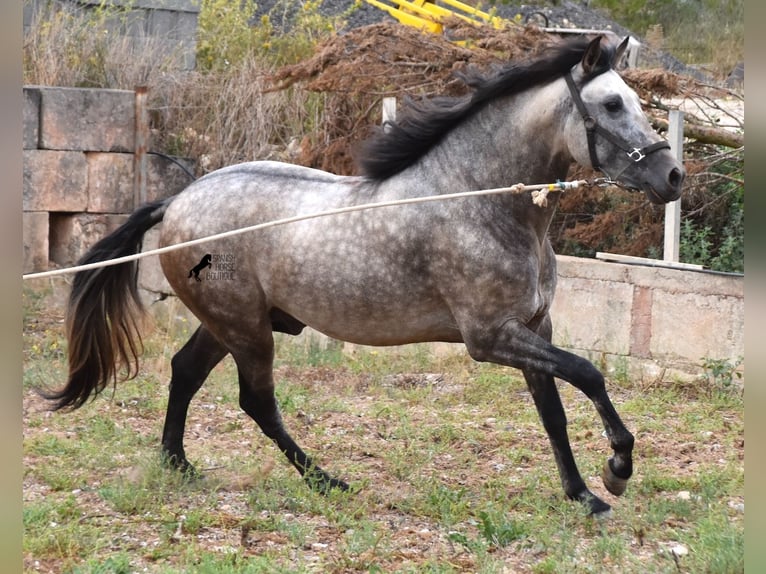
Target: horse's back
366	267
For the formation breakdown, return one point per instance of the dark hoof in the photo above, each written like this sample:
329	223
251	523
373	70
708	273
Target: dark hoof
180	464
321	482
612	482
596	507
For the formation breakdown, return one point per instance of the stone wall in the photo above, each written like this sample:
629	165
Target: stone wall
78	167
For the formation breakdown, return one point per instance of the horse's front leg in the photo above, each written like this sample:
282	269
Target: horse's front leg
583	375
551	411
516	345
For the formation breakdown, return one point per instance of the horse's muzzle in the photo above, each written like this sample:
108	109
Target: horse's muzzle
669	190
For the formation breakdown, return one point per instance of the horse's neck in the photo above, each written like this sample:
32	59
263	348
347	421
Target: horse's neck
516	140
512	140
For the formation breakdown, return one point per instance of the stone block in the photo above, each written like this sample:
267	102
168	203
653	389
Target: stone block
71	235
31	117
165	178
35	240
110	182
87	119
55	181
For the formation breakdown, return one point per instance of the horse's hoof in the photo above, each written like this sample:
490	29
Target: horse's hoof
596	507
612	482
321	482
181	465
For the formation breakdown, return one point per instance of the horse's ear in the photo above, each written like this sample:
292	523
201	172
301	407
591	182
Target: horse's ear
591	56
620	52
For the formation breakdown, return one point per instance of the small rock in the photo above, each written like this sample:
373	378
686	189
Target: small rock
738	506
679	550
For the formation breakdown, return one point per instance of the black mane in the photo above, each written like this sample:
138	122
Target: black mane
401	143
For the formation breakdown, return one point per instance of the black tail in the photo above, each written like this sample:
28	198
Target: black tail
104	311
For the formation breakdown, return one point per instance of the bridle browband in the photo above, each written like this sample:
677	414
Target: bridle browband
592	126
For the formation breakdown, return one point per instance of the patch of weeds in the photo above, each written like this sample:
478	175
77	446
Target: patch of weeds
308	350
495	529
717	545
620	371
50	445
235	563
128	498
117	564
361	547
52	529
722	373
498	529
655	482
446	504
147	487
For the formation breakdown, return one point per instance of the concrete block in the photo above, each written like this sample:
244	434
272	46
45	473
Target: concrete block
71	235
592	314
695	326
35	240
31	117
87	119
110	182
55	181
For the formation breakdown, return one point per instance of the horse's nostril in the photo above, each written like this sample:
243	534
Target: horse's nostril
676	178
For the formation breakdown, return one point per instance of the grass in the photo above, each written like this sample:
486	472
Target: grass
450	467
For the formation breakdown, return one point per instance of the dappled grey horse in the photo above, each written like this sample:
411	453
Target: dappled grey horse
478	270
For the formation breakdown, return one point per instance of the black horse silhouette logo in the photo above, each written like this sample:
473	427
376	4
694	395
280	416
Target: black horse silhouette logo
206	261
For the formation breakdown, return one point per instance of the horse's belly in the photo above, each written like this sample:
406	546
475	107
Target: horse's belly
392	318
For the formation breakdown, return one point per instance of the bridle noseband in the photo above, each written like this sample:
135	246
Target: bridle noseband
592	126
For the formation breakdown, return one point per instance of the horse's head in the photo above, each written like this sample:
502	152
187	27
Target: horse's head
608	130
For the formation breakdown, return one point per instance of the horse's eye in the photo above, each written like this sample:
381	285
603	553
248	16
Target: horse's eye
613	105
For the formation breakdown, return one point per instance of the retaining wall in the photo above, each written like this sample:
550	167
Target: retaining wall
78	185
78	163
648	321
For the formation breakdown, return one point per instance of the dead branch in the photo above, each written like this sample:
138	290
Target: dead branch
705	134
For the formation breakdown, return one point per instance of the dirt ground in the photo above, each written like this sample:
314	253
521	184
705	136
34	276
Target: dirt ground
348	424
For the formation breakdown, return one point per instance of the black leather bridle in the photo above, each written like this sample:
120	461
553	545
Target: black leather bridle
592	127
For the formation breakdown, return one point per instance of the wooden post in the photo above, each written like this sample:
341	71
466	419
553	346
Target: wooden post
673	209
140	146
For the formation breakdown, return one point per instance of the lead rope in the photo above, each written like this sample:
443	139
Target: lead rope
539	193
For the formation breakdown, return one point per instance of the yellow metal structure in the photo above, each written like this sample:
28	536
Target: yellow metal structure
428	15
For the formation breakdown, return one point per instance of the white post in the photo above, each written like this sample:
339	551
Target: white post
389	109
673	209
634	46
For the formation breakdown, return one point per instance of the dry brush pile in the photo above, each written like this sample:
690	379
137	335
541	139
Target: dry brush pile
354	71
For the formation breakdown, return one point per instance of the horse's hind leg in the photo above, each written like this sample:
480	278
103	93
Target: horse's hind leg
257	399
190	367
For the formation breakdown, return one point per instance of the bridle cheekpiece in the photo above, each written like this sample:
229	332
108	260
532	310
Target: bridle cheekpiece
592	127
